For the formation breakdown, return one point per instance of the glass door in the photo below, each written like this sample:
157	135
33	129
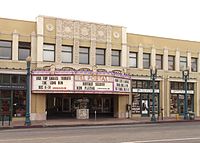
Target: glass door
181	104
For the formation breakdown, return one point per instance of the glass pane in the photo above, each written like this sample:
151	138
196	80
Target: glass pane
67	48
100	60
5	53
22	79
146	64
83	50
5	44
24	45
115	61
132	62
6	78
115	52
48	47
24	53
133	55
83	59
100	51
14	79
19	103
48	56
66	57
194	64
146	56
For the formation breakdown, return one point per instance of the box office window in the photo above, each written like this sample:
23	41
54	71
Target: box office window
115	58
67	54
83	55
194	64
48	53
146	60
100	56
171	62
159	61
183	63
6	50
24	50
133	59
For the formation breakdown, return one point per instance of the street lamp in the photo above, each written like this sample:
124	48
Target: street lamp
153	72
28	62
185	77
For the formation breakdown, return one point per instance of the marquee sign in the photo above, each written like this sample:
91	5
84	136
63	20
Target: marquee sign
122	85
94	83
55	83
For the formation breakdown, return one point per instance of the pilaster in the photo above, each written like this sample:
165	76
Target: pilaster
189	60
140	56
177	60
165	59
40	38
15	38
153	56
33	47
124	55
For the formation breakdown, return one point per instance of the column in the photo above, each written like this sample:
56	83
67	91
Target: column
198	62
140	57
196	97
153	56
40	38
33	47
58	50
125	52
76	43
165	59
93	45
162	98
109	46
189	60
177	60
15	38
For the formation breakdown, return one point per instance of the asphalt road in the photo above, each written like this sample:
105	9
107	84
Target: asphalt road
143	133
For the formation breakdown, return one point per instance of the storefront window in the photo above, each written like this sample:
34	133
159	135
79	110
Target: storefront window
14	79
6	79
19	103
174	104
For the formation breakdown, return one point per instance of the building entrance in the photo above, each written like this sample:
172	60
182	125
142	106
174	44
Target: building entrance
65	106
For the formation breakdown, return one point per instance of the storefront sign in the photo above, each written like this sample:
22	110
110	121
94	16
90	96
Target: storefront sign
93	83
52	83
145	90
182	91
121	85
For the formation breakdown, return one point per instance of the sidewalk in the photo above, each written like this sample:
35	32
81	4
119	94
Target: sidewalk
89	122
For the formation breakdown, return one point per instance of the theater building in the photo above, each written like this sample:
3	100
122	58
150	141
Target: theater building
100	68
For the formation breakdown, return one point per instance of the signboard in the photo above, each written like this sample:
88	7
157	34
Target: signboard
55	83
182	91
122	85
93	83
145	90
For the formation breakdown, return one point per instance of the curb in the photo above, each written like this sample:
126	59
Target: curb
100	124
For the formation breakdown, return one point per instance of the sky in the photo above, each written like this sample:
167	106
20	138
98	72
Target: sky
177	19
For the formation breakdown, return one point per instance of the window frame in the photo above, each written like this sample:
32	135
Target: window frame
100	54
160	59
67	51
48	50
134	58
171	61
196	63
25	47
84	53
183	62
116	55
145	59
6	47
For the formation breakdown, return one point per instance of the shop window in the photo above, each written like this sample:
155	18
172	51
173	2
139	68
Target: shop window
100	56
136	104
171	62
146	60
24	50
115	58
22	79
134	84
190	86
83	55
145	84
1	78
6	50
19	103
159	61
174	104
183	63
133	59
67	54
14	79
48	53
139	84
194	64
6	78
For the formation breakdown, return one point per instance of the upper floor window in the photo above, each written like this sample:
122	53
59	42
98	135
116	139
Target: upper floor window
146	60
133	59
6	50
48	53
171	62
115	58
83	55
24	50
159	61
183	63
67	55
194	64
100	56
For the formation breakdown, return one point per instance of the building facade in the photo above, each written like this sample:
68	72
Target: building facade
98	67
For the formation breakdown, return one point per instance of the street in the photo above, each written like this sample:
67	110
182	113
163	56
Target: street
186	132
